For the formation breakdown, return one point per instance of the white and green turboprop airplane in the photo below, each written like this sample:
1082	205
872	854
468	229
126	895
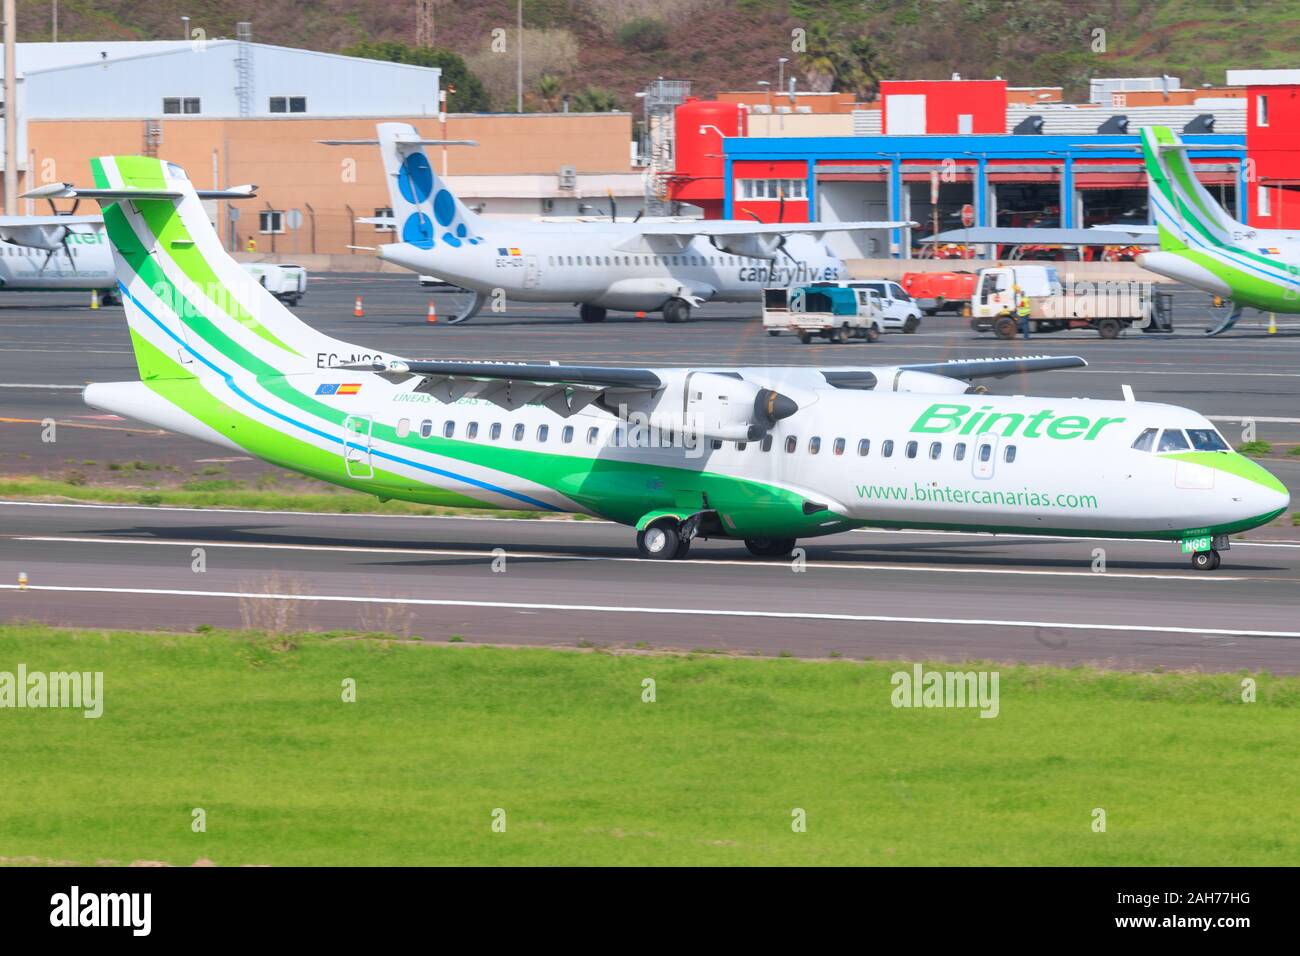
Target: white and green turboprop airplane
1198	242
763	455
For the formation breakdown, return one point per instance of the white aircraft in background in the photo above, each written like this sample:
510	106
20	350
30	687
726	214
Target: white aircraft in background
55	253
629	266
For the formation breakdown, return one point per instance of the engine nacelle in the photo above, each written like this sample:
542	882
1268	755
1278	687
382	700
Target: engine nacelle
750	247
927	383
47	237
710	405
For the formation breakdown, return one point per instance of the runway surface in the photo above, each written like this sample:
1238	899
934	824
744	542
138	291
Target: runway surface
863	594
553	582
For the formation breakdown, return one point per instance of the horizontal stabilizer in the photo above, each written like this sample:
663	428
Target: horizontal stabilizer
999	367
69	191
1031	236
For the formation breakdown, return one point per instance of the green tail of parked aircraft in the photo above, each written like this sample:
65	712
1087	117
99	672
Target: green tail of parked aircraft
1202	245
765	455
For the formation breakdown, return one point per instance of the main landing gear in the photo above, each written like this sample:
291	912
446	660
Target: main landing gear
769	547
1205	560
677	310
663	542
591	313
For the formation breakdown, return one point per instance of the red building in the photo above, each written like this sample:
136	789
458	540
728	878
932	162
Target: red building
923	107
1272	145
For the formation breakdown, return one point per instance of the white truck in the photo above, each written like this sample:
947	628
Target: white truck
1105	307
832	312
899	312
284	280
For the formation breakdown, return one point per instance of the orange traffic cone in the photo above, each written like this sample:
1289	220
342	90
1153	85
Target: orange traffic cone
357	310
433	312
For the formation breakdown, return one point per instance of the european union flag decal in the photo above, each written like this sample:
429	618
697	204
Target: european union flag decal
327	389
503	251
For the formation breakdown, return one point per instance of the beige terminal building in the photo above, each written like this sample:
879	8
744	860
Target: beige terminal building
233	112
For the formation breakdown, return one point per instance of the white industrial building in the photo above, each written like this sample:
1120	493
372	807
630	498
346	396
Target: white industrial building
214	79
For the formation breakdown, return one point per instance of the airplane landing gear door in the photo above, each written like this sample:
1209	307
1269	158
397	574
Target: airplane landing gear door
356	446
986	455
532	272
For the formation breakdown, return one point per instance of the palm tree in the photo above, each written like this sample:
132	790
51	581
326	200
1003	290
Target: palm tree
548	89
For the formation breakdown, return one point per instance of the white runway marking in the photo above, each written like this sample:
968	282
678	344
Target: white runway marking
1199	578
44	385
672	611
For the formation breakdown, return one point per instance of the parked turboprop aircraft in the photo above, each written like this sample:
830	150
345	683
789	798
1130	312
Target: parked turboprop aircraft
630	266
1199	243
763	455
55	253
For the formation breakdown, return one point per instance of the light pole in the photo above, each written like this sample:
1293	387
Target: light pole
767	85
781	61
185	28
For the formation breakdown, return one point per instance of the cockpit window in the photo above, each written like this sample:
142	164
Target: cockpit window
1146	441
1173	440
1207	439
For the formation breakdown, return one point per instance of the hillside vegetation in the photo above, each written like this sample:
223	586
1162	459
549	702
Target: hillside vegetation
600	52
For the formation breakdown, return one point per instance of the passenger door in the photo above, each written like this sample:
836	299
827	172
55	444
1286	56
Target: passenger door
356	446
532	272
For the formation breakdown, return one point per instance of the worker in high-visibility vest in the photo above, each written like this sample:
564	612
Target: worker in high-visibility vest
1022	312
252	244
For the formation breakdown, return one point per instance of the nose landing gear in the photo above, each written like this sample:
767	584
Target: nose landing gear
1205	560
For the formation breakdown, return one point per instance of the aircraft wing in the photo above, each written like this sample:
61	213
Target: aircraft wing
870	377
738	228
564	389
1029	236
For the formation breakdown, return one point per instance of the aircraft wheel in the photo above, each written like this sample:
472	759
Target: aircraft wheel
659	541
1205	560
769	547
677	310
591	313
683	548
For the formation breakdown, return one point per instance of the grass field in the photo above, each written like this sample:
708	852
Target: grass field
253	730
326	500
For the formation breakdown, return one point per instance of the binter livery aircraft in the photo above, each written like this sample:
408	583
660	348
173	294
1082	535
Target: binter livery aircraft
633	266
762	455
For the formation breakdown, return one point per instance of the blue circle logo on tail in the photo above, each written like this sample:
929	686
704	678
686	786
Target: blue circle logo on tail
418	230
415	179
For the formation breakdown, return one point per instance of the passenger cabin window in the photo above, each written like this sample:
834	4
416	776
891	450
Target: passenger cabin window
767	443
715	444
791	443
959	451
471	430
519	432
936	449
593	434
864	447
426	428
495	431
839	446
911	449
1009	454
986	452
542	432
403	427
566	436
1207	439
887	448
814	444
1146	441
448	429
1173	440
